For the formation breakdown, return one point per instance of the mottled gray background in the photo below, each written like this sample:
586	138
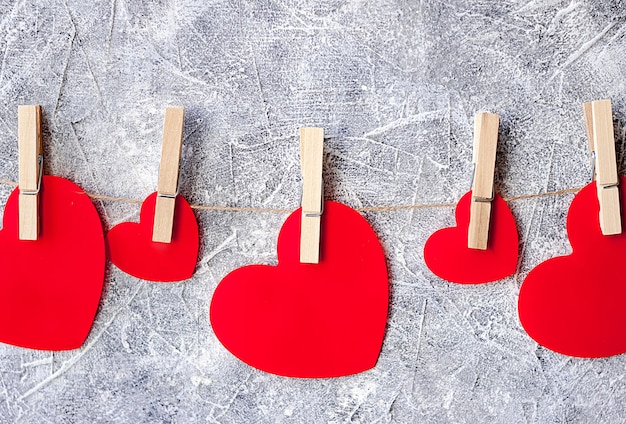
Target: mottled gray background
395	84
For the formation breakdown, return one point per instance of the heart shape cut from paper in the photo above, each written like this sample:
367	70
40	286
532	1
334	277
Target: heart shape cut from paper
50	287
131	249
309	320
446	253
576	304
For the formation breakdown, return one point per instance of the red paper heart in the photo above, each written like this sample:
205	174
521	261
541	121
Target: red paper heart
50	288
446	253
309	320
131	249
576	304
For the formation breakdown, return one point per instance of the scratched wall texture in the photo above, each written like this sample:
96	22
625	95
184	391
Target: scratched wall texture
395	84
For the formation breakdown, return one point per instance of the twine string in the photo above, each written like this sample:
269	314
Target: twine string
387	208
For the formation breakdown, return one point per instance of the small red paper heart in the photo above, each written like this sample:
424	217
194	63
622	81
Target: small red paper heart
576	304
131	249
309	320
50	287
446	253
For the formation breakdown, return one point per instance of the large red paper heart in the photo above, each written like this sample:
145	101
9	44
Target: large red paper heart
309	320
446	253
576	304
131	249
50	287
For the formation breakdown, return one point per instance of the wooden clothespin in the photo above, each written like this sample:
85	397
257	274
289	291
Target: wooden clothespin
167	188
311	155
599	123
30	169
484	158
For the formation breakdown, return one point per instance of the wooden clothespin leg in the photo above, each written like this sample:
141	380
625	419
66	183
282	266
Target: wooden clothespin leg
167	188
30	169
311	155
599	122
485	146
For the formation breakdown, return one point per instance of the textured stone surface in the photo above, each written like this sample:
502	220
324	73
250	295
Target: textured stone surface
395	84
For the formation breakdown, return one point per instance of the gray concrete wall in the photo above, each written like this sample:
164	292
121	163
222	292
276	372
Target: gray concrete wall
395	84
